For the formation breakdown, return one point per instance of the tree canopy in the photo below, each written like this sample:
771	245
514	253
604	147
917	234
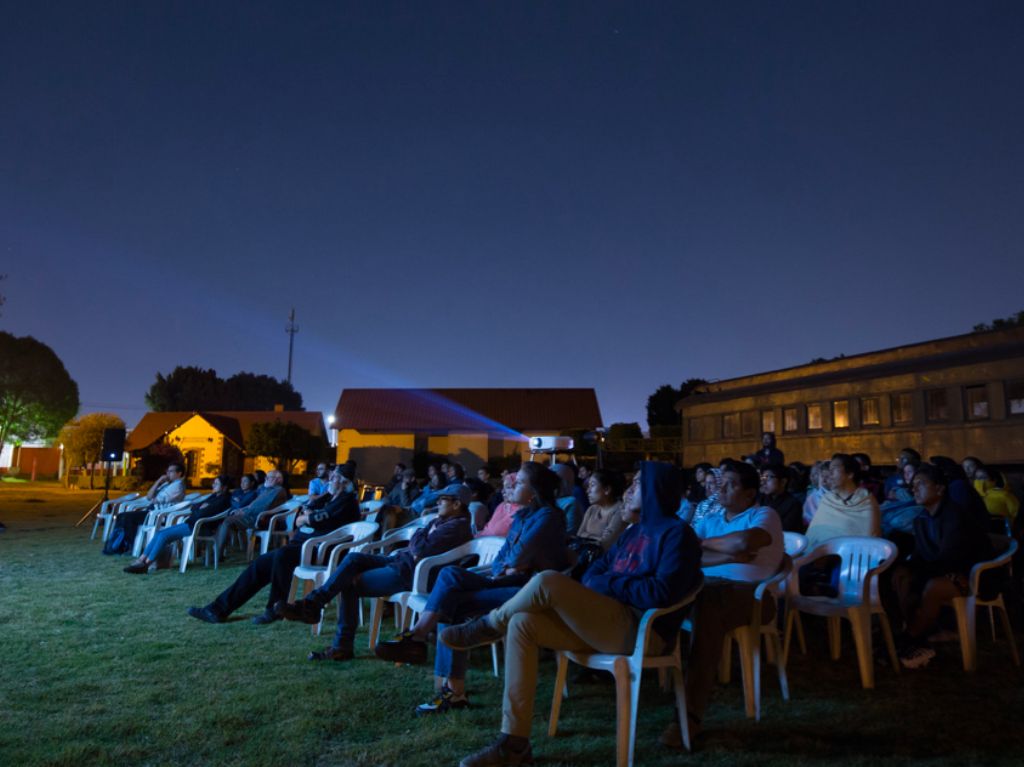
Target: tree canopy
284	443
194	388
83	437
37	396
1013	321
661	406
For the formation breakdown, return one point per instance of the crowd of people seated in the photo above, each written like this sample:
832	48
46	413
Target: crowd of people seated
585	552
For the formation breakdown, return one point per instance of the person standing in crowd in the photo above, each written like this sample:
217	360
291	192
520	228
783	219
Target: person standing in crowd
769	453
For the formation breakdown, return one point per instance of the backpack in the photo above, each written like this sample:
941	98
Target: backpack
117	543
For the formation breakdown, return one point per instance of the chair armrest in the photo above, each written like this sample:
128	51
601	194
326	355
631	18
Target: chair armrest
643	631
422	573
218	518
991	564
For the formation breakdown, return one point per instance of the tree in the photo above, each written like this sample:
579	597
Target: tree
1013	321
83	438
284	443
37	396
661	406
249	391
630	430
194	388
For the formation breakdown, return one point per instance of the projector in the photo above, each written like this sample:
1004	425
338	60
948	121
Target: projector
538	444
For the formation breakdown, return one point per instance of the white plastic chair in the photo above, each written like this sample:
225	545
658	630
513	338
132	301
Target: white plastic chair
748	639
966	608
795	544
280	522
389	543
190	542
627	670
862	560
116	509
412	603
320	555
155	520
106	514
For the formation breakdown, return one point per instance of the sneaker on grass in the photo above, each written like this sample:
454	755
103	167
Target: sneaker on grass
445	701
916	656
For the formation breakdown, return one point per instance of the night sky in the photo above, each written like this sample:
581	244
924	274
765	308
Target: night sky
503	194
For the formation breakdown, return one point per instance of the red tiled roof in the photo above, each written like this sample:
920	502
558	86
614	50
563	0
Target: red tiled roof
439	411
234	425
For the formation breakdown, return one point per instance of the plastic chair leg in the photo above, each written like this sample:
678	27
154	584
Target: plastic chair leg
376	616
562	669
494	659
835	637
750	664
684	720
966	612
186	551
627	692
860	623
772	640
890	645
1004	618
725	661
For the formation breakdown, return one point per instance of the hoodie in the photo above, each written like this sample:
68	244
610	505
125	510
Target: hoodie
655	562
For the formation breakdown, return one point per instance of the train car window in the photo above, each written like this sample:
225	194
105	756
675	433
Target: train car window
768	420
814	417
790	420
841	414
902	408
1015	397
870	412
976	402
936	405
730	425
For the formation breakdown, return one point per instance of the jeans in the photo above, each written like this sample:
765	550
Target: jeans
459	595
163	538
275	567
360	575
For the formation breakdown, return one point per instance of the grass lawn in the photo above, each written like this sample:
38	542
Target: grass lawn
100	667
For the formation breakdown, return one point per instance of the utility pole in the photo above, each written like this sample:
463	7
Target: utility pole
291	329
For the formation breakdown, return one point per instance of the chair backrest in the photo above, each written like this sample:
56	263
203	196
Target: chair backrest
795	544
393	537
862	558
368	507
1005	547
486	547
643	633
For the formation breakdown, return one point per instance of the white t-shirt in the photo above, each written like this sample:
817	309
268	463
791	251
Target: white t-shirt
767	560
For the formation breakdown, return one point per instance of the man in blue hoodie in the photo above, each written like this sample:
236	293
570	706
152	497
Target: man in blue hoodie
655	563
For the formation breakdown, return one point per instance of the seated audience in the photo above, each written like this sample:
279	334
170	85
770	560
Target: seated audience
567	497
1002	505
694	493
535	542
504	512
656	563
397	475
741	547
395	512
820	479
709	506
272	494
899	511
373	575
339	507
948	541
318	485
906	455
775	494
847	508
799	478
475	494
441	483
603	523
970	465
867	477
245	493
210	506
168	489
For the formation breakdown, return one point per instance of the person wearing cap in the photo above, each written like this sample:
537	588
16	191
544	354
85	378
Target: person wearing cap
339	507
535	542
374	575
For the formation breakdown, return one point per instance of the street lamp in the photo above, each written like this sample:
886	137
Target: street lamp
334	434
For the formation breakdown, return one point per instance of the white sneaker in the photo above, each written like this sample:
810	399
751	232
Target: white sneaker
917	657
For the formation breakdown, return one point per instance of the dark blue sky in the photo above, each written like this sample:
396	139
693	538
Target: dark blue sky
616	195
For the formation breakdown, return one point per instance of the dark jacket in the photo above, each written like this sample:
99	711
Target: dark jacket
951	541
656	561
241	498
210	506
789	509
340	510
769	456
439	536
535	542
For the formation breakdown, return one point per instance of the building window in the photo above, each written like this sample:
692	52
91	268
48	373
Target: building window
869	411
902	408
841	414
790	422
936	407
813	417
1015	397
977	402
750	423
768	420
731	426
